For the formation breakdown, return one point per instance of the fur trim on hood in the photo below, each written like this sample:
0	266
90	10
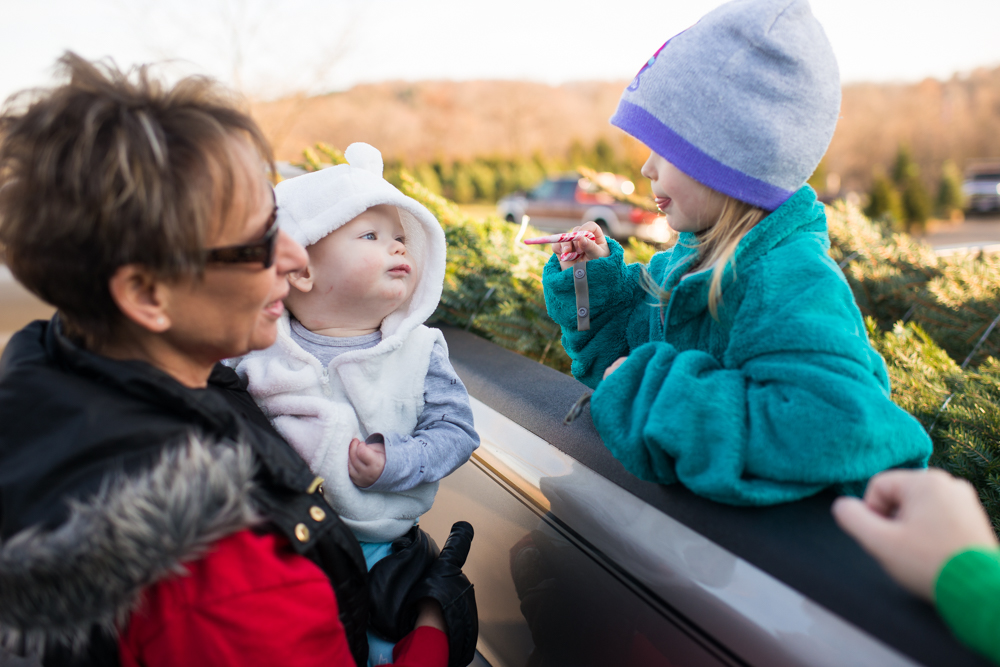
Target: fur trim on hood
313	205
90	571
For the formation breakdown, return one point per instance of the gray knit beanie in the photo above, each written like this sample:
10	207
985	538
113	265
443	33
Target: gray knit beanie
745	101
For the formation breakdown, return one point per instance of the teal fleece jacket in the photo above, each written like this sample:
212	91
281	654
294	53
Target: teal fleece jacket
778	399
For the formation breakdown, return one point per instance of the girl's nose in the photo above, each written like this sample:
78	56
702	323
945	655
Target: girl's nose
648	169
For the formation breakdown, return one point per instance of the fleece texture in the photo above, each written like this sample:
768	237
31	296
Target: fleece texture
778	399
320	409
745	101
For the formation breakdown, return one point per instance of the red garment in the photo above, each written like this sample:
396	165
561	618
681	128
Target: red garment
253	601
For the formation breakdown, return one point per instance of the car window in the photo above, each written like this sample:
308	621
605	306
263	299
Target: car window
565	190
545	190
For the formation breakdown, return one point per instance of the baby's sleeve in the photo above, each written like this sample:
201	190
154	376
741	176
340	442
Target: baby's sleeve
444	438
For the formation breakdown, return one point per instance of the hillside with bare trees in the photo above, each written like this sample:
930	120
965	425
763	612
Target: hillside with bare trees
956	119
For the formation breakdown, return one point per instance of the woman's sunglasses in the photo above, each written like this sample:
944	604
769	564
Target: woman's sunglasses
261	251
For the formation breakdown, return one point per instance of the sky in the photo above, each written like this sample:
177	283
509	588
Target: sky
270	48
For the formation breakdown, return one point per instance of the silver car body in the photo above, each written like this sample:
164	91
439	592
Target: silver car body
573	568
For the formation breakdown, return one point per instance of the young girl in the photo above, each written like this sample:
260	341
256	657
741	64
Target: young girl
737	362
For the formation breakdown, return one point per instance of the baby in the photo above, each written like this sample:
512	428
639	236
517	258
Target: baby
355	382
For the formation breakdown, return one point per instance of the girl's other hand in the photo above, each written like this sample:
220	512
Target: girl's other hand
613	367
913	521
591	249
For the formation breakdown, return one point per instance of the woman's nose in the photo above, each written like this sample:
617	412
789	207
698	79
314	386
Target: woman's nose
289	255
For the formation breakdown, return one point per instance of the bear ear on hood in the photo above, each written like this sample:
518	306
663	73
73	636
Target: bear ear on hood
364	156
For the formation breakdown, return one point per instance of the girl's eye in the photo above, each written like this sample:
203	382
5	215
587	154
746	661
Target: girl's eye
401	239
371	236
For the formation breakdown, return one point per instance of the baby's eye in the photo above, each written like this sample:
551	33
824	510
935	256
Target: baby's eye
401	239
371	236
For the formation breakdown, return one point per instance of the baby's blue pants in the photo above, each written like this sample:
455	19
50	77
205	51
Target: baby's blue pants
379	650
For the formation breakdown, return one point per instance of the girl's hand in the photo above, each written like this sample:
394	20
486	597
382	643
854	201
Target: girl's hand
591	249
365	462
912	521
613	367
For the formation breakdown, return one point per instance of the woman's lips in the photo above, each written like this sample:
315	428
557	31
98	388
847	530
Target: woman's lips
662	203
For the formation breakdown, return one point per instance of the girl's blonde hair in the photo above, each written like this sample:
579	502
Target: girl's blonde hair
716	247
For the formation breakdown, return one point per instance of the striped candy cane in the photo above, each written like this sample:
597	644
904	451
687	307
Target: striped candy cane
570	256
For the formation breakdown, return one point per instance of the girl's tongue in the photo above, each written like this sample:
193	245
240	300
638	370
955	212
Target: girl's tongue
662	203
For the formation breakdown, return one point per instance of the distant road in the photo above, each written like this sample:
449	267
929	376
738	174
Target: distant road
975	232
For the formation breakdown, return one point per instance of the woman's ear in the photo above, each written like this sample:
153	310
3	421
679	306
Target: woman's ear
141	297
302	280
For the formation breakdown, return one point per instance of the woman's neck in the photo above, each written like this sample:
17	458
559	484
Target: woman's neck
158	353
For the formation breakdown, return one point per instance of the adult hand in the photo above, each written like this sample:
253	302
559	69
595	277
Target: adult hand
613	367
365	462
429	614
913	521
591	249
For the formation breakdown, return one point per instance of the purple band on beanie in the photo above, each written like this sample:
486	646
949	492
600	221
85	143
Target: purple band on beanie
687	157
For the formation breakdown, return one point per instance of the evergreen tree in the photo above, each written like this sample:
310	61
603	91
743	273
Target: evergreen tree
463	189
507	178
959	408
915	201
391	171
916	205
577	155
603	156
446	176
904	168
484	180
526	174
950	198
884	202
428	176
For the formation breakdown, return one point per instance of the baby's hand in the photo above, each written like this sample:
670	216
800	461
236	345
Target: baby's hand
365	462
591	249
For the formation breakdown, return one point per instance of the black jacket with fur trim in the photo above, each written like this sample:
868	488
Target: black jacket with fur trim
113	475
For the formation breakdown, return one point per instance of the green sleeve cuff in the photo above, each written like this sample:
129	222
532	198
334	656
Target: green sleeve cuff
967	593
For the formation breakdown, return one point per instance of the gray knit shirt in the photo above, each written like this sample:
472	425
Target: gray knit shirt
444	437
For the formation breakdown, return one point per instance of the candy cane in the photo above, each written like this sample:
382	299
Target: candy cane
570	256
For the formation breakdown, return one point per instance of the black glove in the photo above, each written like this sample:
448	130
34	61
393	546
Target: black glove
392	579
445	582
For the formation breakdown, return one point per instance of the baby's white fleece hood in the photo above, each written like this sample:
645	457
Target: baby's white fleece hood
313	205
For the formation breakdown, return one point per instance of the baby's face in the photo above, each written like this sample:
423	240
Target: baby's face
363	269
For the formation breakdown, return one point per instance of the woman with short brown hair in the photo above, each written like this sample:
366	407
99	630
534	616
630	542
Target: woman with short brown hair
128	456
